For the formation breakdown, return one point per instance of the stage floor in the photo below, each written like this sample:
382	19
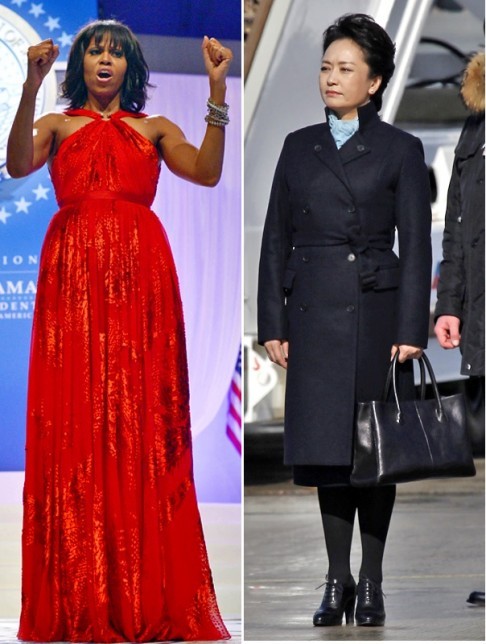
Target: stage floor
8	630
222	529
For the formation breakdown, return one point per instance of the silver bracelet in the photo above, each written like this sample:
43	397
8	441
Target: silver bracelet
213	121
217	114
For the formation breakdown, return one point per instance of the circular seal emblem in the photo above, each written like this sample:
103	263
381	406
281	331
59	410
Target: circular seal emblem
16	35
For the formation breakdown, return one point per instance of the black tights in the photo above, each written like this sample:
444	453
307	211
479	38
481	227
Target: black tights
338	508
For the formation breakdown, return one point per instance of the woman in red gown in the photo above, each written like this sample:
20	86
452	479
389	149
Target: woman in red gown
113	548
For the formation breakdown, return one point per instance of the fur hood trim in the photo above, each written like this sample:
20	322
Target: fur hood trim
472	89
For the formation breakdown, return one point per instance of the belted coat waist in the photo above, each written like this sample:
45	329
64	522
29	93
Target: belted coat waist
307	239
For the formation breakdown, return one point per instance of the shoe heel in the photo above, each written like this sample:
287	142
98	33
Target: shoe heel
349	611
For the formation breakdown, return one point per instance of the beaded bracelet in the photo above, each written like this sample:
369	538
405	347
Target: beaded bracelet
217	114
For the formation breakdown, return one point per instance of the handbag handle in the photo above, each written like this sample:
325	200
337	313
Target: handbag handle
390	375
423	360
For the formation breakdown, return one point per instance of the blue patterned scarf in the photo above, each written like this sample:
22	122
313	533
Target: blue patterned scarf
342	130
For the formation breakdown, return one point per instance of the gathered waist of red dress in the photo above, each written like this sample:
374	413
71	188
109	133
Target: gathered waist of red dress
103	194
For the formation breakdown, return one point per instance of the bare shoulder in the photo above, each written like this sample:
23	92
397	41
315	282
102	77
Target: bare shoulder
164	127
57	125
62	126
50	121
162	123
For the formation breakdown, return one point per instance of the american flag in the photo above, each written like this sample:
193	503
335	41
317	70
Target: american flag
233	423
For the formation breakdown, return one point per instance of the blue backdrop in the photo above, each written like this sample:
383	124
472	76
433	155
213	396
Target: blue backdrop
26	205
188	18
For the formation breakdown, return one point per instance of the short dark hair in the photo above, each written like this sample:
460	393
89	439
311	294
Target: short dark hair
377	46
134	89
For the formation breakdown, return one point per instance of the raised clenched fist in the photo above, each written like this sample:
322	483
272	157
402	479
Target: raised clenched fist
216	58
40	59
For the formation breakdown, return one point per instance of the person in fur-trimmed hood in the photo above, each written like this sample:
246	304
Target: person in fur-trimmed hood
459	313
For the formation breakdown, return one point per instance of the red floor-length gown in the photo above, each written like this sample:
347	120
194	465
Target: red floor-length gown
113	548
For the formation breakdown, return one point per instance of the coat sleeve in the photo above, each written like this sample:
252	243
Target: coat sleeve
276	246
452	280
413	217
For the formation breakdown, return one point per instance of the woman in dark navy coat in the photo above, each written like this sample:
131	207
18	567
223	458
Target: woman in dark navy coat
335	302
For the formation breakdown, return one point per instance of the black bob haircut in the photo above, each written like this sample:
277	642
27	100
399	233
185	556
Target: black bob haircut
134	89
377	46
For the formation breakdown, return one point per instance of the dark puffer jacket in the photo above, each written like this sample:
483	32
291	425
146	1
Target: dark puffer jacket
461	284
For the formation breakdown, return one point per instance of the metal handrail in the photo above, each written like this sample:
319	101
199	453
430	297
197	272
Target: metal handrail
251	42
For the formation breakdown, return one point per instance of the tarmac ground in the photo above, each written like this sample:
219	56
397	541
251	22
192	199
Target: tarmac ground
434	558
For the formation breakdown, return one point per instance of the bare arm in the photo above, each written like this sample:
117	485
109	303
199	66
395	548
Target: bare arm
204	165
28	150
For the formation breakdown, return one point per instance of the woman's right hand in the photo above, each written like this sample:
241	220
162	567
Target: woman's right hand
40	59
278	351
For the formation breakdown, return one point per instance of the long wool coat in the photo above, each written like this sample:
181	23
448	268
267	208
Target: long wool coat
330	283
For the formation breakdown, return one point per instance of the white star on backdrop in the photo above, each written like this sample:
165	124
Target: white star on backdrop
36	9
52	23
4	214
23	205
40	192
19	3
66	39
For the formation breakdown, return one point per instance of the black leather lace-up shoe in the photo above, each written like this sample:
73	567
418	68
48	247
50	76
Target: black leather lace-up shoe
370	609
338	600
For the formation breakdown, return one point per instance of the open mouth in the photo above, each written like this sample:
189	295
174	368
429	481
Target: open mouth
104	74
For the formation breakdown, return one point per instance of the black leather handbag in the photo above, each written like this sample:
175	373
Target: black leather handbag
410	440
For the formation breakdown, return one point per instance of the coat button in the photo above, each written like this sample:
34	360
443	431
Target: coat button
318	148
360	147
305	259
351	257
350	308
351	209
306	210
459	220
303	308
468	366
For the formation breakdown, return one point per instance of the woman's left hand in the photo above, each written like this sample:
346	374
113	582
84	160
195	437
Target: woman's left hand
407	352
217	59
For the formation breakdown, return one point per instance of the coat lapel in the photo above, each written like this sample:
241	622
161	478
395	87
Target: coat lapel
326	151
354	148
